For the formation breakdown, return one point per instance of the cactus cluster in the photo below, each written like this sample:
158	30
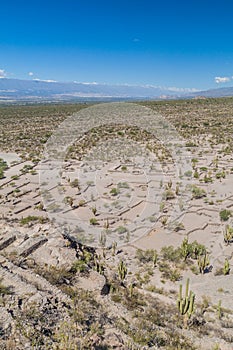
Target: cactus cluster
102	239
228	234
122	270
185	248
98	265
186	304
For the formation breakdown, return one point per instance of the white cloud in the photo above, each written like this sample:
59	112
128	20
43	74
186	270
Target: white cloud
176	89
46	80
220	80
2	73
30	74
91	83
87	83
50	81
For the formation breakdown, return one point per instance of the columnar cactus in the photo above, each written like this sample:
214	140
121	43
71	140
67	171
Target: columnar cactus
114	246
219	309
203	262
177	190
169	185
228	234
106	225
102	239
155	258
226	268
131	290
122	270
186	304
185	248
94	210
98	266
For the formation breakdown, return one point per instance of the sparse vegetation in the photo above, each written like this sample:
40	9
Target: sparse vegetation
74	183
33	219
228	234
4	290
93	221
185	303
139	282
3	167
114	191
225	214
198	192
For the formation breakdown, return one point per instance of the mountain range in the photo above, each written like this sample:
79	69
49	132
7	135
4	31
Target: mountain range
16	90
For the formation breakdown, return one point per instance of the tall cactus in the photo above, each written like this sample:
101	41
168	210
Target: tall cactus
185	248
154	258
186	304
122	270
114	247
226	268
228	234
102	239
98	265
169	184
106	225
94	210
131	286
219	309
203	262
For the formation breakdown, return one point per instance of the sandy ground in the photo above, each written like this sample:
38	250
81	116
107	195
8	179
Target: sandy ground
134	214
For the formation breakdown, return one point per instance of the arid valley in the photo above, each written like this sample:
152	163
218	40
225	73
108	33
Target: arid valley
151	224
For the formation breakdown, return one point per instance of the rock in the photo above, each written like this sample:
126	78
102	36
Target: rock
37	229
94	281
2	259
6	240
46	227
6	321
30	245
106	289
115	340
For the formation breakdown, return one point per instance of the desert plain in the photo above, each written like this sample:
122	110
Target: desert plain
95	259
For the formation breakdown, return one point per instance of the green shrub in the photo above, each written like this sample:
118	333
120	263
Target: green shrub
121	229
74	183
197	249
3	164
145	256
5	290
3	167
114	191
225	214
93	221
15	177
168	194
171	254
31	218
198	192
78	266
173	274
1	174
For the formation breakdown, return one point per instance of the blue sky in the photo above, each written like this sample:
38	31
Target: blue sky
186	44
